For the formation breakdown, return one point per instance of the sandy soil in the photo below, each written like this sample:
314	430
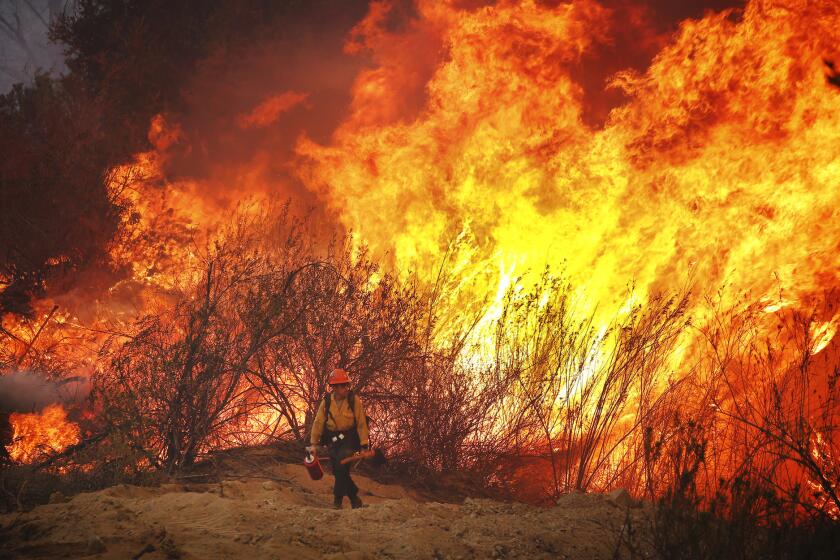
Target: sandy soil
290	516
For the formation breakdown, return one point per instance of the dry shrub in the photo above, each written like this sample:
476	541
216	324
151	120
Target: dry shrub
747	467
254	333
172	385
743	518
773	391
354	318
254	329
443	411
582	396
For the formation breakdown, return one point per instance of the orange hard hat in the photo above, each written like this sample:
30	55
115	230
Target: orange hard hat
339	376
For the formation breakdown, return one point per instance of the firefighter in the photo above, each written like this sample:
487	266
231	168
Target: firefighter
341	424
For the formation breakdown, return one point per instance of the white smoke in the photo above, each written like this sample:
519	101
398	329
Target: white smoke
24	391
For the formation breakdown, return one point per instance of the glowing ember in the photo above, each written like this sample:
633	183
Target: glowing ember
39	433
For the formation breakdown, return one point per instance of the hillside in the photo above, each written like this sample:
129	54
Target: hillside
283	514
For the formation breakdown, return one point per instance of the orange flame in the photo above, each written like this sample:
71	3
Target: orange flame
720	167
269	110
42	432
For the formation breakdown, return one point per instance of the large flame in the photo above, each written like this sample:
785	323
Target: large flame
470	131
721	168
41	433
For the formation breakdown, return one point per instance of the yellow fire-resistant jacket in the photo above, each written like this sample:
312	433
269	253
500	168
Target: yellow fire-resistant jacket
341	419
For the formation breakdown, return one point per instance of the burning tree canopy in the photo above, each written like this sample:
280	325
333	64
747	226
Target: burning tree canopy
672	170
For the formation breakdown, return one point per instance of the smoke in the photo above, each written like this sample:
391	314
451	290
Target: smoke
234	136
25	48
24	391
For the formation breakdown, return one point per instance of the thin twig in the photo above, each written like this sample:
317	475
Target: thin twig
37	334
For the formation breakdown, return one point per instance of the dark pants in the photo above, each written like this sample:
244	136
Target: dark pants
344	485
7	434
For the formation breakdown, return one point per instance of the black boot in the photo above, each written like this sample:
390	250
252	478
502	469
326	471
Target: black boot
355	501
337	502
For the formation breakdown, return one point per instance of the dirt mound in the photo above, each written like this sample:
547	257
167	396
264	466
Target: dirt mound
290	516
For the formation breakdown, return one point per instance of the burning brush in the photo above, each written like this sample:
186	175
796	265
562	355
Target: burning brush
33	416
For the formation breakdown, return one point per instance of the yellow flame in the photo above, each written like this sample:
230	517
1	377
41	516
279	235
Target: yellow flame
823	334
722	164
45	432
